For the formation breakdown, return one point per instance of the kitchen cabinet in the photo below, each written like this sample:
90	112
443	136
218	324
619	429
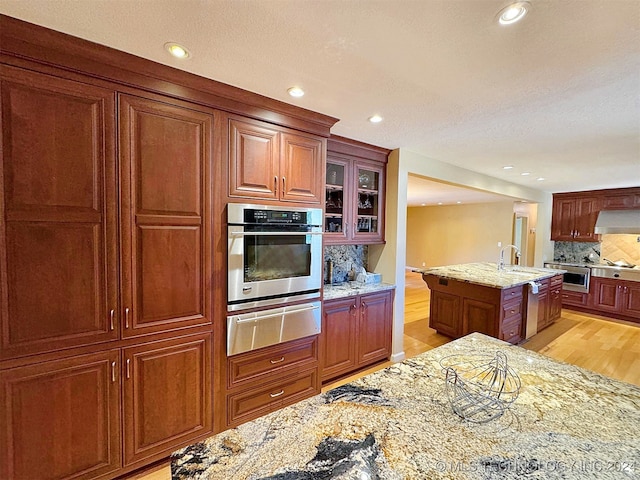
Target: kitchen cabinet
165	184
354	192
356	332
574	299
574	217
621	199
615	296
167	395
261	381
61	419
59	232
271	163
555	298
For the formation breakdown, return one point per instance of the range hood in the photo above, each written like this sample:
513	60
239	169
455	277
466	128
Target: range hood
618	221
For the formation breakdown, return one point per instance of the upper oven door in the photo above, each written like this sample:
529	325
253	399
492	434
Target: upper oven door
273	261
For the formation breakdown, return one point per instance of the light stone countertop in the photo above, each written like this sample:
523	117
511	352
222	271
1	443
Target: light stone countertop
351	289
486	273
567	423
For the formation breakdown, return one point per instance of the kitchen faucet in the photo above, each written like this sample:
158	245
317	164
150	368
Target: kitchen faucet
501	260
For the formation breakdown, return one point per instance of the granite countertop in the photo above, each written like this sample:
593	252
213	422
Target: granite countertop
487	274
350	289
567	423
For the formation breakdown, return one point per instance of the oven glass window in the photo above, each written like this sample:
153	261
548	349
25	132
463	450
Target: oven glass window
274	257
574	278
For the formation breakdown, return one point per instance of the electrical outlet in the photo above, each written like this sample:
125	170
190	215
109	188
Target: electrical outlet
424	264
499	244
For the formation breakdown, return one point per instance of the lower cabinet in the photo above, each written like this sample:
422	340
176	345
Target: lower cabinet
614	296
356	332
267	379
64	419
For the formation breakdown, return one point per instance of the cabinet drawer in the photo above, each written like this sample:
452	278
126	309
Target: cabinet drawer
511	310
511	293
511	330
574	298
556	281
253	403
245	367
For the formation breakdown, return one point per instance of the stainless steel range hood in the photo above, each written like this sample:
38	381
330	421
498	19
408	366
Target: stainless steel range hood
618	221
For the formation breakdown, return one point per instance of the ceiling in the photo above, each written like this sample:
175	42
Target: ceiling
556	95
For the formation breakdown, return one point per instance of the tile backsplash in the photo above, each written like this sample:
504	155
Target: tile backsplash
612	247
344	258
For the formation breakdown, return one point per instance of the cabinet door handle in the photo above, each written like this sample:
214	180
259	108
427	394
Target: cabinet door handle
346	229
353	308
275	184
113	371
284	190
128	368
280	360
274	395
363	308
126	317
111	315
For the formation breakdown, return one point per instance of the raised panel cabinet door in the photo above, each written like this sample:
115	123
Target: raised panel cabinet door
607	295
631	306
61	419
562	220
58	272
166	227
167	395
254	160
444	313
587	209
555	303
302	167
544	305
338	337
374	327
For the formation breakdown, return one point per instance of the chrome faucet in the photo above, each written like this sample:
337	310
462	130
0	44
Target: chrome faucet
501	259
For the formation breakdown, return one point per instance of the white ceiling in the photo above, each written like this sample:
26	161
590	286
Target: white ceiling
427	192
557	95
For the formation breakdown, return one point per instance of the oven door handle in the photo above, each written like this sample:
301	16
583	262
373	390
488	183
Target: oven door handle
271	234
246	320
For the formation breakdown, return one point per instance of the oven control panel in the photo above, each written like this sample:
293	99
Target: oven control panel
275	216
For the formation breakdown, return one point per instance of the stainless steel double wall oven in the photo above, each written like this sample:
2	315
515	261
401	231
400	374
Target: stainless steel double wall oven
274	259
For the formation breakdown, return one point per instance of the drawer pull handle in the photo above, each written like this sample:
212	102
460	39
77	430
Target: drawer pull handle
111	315
280	360
274	395
513	311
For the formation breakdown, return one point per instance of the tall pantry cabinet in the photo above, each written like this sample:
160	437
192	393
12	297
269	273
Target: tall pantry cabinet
98	248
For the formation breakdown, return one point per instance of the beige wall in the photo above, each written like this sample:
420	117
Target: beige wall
451	234
616	247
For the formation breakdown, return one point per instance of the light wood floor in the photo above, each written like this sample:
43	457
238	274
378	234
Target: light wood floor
596	343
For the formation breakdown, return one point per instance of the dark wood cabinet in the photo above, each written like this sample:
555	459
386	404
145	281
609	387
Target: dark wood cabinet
271	163
555	298
613	296
165	184
167	395
574	299
447	320
354	192
58	254
356	332
61	419
574	218
621	199
264	380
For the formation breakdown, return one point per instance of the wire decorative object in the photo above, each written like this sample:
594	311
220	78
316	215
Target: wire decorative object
480	388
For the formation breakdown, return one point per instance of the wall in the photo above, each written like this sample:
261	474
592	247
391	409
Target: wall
613	247
529	210
451	234
390	259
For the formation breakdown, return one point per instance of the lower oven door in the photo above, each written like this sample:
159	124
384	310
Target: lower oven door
250	331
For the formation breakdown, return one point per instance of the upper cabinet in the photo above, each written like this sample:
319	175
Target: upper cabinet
574	218
272	163
354	192
575	214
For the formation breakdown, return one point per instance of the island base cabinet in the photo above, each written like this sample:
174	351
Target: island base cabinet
356	332
445	313
167	395
61	419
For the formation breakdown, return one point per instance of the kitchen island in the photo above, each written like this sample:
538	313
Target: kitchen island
477	297
566	423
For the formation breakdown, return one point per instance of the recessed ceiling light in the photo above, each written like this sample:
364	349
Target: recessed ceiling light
524	174
423	204
513	13
507	167
296	92
439	203
458	203
375	119
177	50
540	179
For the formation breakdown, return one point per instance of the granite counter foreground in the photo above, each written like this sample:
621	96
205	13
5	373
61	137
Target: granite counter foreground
567	423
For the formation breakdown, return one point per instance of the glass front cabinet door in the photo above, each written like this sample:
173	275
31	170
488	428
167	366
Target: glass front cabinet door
336	193
368	204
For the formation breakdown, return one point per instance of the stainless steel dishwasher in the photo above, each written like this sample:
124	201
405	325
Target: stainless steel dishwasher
531	328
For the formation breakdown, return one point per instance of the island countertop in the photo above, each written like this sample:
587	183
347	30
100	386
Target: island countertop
566	423
485	273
